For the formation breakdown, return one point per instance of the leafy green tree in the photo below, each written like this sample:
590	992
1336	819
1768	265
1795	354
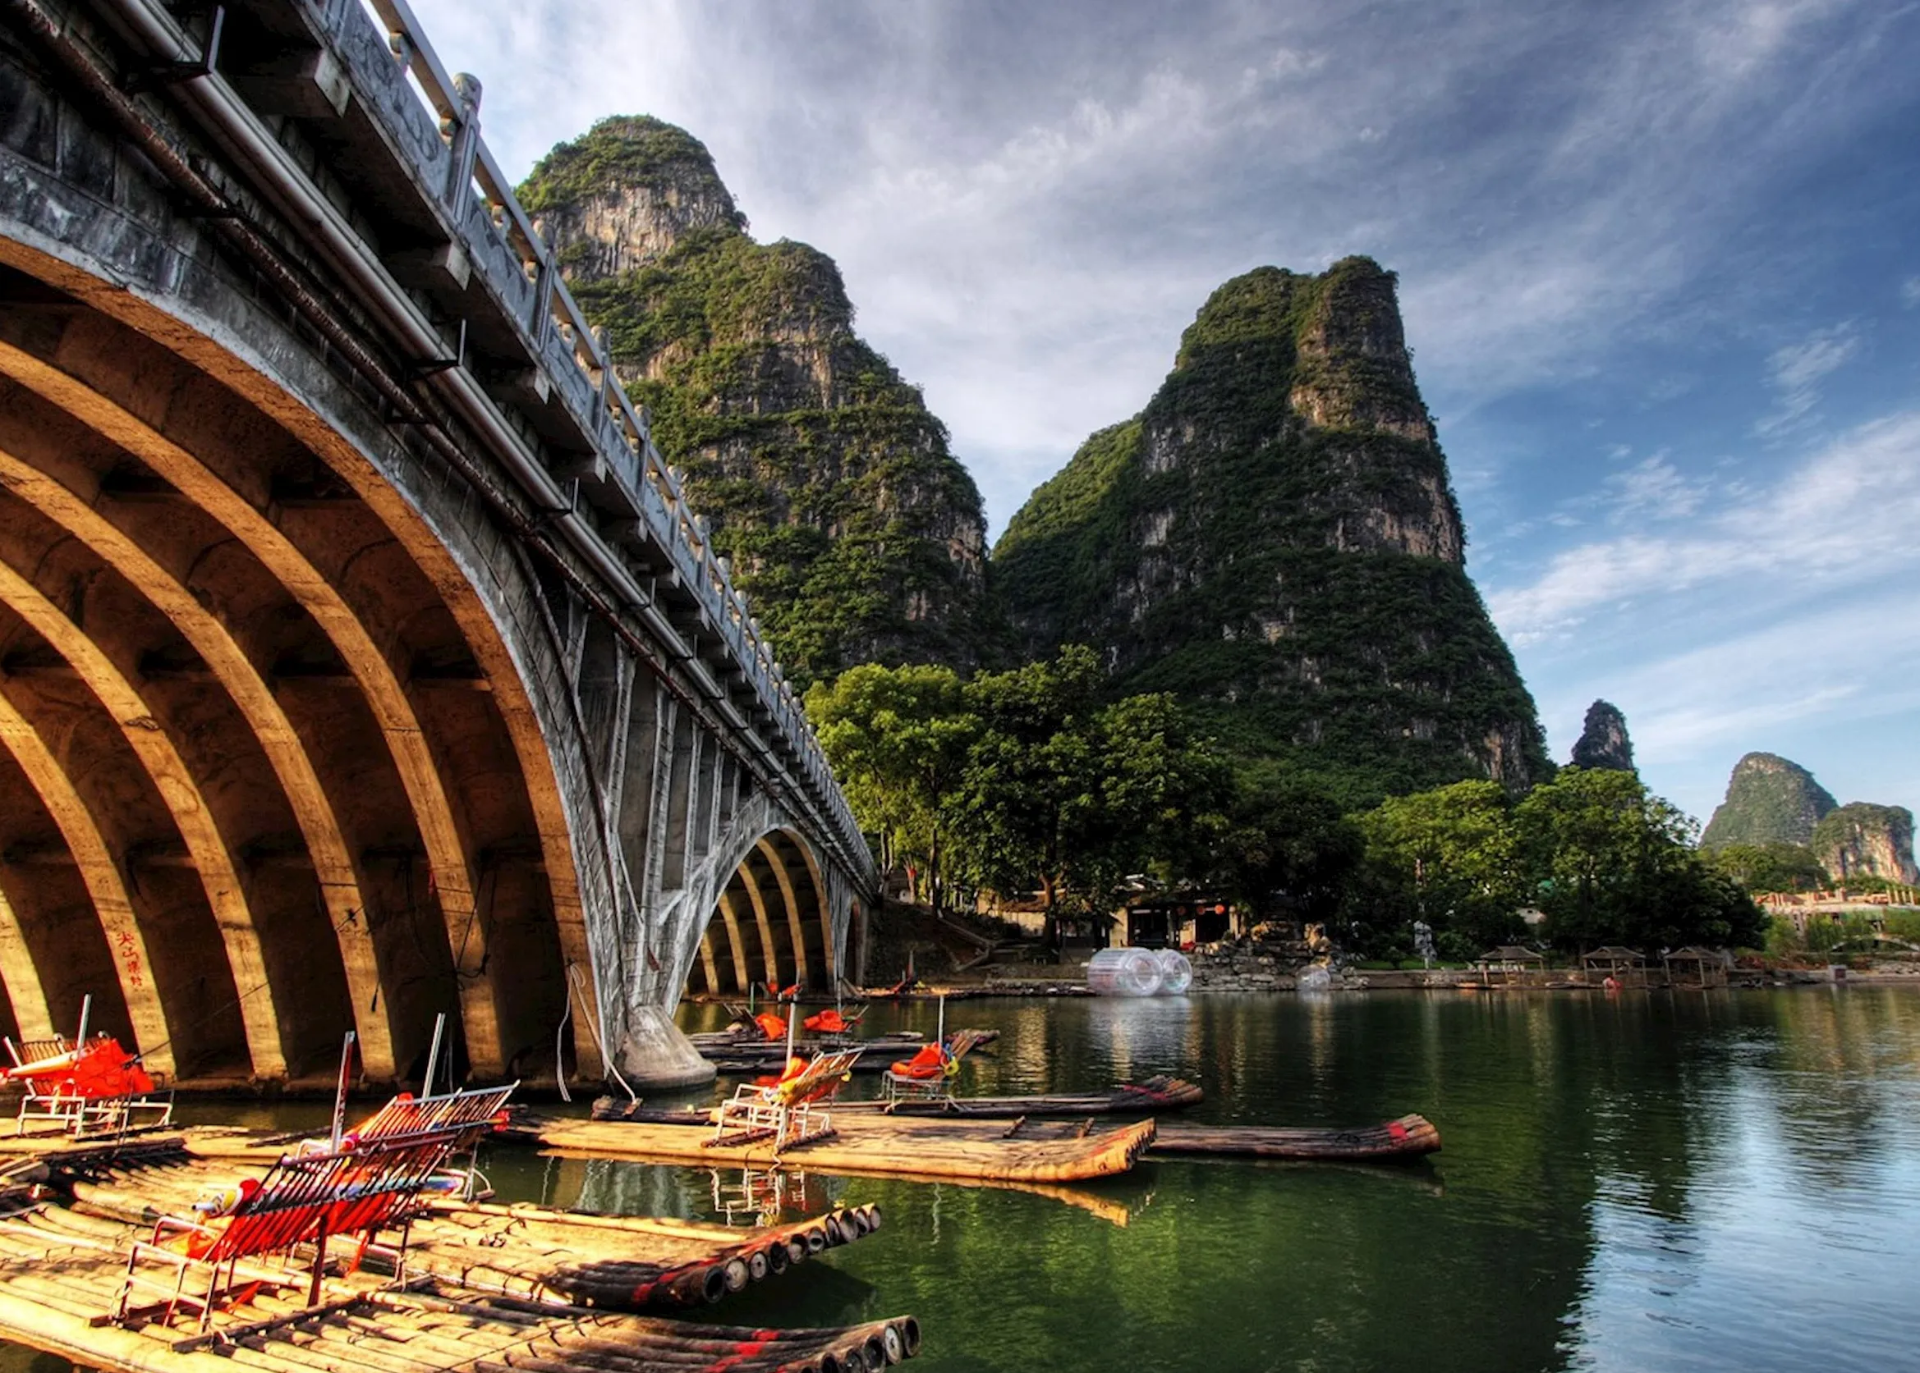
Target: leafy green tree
1287	842
1450	857
899	740
1615	863
1770	867
1069	796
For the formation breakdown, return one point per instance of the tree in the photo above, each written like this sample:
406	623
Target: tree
1612	862
1286	841
1770	867
1068	796
899	739
1450	857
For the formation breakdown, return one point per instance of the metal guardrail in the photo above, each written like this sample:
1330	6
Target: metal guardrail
376	54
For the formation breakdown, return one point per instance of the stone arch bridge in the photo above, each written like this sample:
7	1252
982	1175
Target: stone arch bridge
360	659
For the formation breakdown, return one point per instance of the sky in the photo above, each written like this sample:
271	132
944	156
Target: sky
1659	266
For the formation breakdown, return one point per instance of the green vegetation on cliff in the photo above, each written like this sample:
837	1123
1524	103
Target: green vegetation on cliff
1274	541
852	529
1770	800
1862	840
620	151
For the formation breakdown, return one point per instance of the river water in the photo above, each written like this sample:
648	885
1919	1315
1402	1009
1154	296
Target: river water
1723	1180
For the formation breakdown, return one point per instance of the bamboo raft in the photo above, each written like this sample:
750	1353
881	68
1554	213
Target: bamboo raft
61	1267
1409	1137
873	1145
529	1253
1159	1093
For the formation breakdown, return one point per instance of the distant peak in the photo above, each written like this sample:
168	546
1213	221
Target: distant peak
1769	800
622	194
1603	743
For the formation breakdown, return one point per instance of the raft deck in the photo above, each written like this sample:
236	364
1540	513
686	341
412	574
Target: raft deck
531	1253
60	1271
868	1144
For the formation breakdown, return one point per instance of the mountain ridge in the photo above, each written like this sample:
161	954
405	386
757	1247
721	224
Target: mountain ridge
1275	539
852	529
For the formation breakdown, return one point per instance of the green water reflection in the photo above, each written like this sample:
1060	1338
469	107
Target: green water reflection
1717	1181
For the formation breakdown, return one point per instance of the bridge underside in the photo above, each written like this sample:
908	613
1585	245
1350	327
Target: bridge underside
262	781
310	721
268	770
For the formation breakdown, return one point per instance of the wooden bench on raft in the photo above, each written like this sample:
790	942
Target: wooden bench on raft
371	1179
790	1111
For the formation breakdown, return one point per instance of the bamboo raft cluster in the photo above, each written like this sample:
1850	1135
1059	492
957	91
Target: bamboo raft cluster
530	1253
61	1266
959	1145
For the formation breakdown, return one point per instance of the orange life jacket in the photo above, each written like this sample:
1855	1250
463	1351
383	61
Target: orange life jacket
771	1025
929	1062
795	1066
827	1023
98	1071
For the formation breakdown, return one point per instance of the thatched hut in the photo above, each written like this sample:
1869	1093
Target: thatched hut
1694	966
1627	967
1512	965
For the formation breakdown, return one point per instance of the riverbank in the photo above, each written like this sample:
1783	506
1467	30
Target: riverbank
1258	973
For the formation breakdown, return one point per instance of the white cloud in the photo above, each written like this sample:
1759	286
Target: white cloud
1847	514
1653	489
1797	370
1910	292
1834	684
1028	211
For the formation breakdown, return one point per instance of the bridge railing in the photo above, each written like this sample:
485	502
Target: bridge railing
565	398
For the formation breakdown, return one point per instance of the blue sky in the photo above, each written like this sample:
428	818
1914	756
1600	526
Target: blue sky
1660	267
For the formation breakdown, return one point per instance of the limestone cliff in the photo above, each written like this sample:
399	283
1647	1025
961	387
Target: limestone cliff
1864	840
1770	800
1603	742
854	532
1275	539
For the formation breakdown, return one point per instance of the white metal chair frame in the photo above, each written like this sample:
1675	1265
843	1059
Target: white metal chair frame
792	1112
76	1114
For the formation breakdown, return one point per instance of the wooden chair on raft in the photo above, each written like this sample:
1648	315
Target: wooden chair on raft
791	1109
33	1066
370	1180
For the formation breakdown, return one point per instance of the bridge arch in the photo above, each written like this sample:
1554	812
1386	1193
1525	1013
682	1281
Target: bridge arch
497	718
345	666
773	924
266	719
